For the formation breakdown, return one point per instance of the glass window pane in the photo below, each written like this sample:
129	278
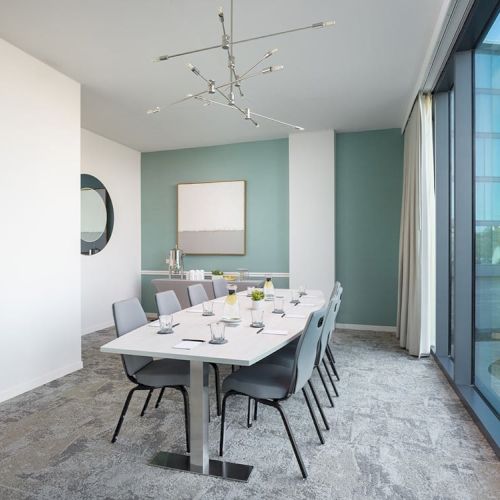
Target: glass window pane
487	217
451	339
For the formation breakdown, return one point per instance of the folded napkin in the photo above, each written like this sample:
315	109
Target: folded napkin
275	332
154	324
193	310
308	304
302	316
187	344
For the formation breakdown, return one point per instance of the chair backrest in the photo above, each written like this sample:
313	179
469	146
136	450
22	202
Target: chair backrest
167	302
328	328
129	315
220	287
337	291
307	350
197	294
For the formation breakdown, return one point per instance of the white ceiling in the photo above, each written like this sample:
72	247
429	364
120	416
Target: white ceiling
357	75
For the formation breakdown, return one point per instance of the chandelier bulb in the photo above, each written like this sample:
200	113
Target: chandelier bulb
247	114
211	87
153	111
221	14
270	53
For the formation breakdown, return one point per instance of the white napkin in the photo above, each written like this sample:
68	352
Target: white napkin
295	316
307	304
193	310
275	332
187	344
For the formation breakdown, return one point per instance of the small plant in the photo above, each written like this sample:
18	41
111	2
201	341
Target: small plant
217	272
257	295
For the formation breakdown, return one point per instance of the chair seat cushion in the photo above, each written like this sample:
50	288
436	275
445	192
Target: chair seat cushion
164	372
263	380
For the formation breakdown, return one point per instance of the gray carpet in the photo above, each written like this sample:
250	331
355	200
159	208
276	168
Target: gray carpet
398	431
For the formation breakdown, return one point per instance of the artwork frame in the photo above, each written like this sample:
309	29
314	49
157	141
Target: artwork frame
211	217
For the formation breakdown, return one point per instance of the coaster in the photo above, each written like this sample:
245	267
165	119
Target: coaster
166	332
257	325
218	342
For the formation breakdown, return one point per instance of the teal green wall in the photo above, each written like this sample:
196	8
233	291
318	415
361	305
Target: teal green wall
263	164
369	178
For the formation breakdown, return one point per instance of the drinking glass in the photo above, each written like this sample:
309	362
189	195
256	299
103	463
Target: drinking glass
302	290
279	304
295	297
218	333
208	309
250	289
166	321
257	318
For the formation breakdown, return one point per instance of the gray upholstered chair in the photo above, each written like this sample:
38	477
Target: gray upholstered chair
197	294
270	384
148	374
220	287
168	303
336	294
286	356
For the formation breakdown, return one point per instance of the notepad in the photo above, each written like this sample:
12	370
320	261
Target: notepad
295	316
187	344
154	324
275	332
308	304
193	310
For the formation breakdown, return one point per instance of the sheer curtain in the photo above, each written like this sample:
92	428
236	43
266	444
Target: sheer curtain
417	259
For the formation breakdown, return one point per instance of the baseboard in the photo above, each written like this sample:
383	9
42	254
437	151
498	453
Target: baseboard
95	328
38	381
371	328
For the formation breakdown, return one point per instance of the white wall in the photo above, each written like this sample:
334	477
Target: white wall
114	273
312	209
40	223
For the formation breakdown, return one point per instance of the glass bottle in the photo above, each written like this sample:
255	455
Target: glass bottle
231	304
268	288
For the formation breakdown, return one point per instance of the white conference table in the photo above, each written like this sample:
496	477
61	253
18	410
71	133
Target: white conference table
244	348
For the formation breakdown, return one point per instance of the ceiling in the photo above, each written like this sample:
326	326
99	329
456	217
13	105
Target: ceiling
357	75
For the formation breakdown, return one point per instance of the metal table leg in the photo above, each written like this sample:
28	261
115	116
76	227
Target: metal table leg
198	461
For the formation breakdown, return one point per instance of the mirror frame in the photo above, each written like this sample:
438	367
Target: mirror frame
91	248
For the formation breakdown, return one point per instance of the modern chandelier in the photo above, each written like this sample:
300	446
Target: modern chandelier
226	90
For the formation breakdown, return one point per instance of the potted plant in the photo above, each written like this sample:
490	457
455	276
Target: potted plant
217	274
257	299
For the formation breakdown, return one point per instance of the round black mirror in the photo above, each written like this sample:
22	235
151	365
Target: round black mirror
97	216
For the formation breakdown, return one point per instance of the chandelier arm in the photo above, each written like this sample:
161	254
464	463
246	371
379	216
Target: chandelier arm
323	24
240	79
296	127
234	106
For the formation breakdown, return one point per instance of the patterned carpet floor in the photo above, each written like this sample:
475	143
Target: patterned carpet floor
398	431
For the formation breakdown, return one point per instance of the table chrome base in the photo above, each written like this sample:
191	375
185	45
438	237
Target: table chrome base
217	468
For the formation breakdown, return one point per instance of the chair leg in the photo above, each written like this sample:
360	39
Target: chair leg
185	396
313	416
318	404
256	404
217	386
249	419
222	420
331	359
159	397
122	415
292	439
318	369
144	408
331	379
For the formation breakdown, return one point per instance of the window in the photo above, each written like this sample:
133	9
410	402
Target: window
451	140
487	216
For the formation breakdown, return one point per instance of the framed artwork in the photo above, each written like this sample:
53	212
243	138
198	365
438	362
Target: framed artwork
211	218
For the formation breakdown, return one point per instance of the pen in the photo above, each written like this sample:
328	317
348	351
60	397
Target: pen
176	324
192	340
283	315
258	331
